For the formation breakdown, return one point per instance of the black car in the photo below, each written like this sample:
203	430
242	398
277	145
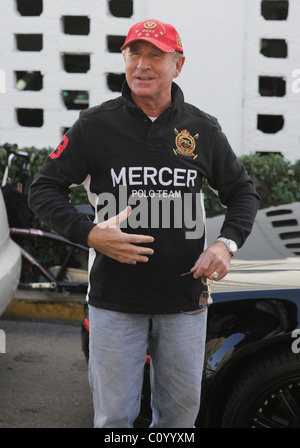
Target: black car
251	373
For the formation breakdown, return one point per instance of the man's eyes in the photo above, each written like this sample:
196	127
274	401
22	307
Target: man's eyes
134	53
154	54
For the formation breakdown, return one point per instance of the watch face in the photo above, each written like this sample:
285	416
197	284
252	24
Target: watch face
232	246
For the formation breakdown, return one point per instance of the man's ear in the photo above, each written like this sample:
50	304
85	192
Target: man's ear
179	65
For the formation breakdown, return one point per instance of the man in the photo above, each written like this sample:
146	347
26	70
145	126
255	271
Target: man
148	150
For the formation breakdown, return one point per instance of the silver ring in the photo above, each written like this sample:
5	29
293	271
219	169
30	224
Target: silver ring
215	275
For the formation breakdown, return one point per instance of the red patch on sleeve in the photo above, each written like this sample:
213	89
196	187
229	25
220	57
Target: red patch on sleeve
63	144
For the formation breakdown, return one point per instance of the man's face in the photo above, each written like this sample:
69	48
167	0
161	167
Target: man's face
149	71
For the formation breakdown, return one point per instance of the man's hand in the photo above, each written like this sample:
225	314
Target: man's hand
215	259
108	238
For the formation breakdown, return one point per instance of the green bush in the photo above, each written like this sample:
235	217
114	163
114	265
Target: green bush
277	182
276	179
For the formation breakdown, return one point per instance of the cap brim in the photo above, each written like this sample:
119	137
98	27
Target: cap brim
163	47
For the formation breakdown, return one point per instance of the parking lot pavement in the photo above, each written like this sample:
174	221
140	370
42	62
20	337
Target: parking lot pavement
43	376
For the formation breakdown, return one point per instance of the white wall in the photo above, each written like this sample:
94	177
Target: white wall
287	140
212	79
220	76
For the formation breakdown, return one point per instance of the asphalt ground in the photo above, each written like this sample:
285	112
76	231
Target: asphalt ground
44	376
43	373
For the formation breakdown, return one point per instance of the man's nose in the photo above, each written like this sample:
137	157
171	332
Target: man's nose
144	62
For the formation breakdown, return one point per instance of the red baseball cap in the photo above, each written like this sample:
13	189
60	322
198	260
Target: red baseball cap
161	35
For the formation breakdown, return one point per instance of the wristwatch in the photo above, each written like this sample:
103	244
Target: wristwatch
230	244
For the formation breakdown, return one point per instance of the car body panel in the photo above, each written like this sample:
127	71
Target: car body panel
261	275
240	328
256	301
238	322
10	261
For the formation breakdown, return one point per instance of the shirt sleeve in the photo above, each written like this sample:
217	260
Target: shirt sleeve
236	191
49	193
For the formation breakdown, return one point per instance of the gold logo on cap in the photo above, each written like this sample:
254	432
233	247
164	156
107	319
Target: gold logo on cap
185	143
149	25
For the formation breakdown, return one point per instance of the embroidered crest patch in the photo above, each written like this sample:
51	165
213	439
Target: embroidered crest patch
185	143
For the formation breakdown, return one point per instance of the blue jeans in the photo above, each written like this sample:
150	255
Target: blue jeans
118	348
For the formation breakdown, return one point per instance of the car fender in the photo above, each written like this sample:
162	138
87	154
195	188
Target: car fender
240	326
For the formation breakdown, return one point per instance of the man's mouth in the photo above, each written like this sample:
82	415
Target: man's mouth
144	78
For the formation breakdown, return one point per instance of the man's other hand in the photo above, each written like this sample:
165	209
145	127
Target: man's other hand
110	240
